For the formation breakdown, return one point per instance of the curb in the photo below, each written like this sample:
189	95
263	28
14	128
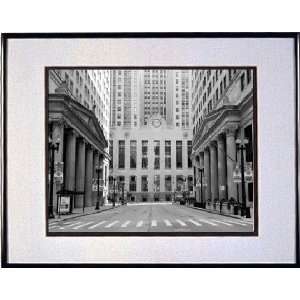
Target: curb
218	213
87	214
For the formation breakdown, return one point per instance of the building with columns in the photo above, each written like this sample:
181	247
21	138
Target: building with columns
151	154
82	143
222	114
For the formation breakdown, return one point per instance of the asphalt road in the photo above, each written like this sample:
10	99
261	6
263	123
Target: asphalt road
160	217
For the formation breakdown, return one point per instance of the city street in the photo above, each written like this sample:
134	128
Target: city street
152	217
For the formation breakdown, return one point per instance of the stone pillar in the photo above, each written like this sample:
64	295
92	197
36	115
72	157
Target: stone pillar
80	171
214	171
196	164
88	175
201	165
70	160
207	174
101	163
57	135
231	161
95	163
221	167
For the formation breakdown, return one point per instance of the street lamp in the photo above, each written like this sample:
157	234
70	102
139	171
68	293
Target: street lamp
53	146
114	198
98	171
241	147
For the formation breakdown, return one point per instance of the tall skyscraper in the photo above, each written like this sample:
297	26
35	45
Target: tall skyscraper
151	153
124	98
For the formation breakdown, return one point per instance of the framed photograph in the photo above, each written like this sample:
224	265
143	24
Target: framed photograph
150	149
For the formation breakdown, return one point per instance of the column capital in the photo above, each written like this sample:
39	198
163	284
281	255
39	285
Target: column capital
72	131
81	139
61	122
230	129
212	144
220	138
89	146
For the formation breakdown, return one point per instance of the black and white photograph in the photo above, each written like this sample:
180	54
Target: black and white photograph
151	151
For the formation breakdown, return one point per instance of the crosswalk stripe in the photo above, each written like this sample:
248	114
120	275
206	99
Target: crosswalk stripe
153	223
221	222
72	224
111	224
67	223
82	225
208	222
139	224
125	224
168	223
180	222
53	226
238	223
96	225
194	222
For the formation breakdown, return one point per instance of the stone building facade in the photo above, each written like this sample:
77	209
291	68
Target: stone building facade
222	116
82	144
150	134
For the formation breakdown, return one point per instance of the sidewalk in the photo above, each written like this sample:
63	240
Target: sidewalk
220	213
78	212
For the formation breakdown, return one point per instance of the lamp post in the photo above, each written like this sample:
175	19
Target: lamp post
98	171
241	147
53	146
201	170
114	198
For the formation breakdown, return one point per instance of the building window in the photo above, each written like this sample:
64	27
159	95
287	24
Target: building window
179	183
144	154
178	154
156	183
132	184
121	154
168	183
167	154
133	154
156	155
144	182
111	151
189	154
190	183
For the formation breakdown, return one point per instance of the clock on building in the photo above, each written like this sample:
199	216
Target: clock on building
156	123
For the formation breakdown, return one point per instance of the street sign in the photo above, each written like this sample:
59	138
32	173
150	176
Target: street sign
64	204
248	172
237	176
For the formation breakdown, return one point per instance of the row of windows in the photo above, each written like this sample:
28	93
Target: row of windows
144	154
181	183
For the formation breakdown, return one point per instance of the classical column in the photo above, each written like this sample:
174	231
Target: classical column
95	164
101	163
196	164
88	175
221	167
70	158
214	171
207	174
58	135
80	171
231	161
201	166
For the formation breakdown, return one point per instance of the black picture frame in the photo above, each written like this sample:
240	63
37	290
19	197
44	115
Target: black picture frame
4	235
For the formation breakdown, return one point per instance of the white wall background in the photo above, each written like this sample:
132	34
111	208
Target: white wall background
26	158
